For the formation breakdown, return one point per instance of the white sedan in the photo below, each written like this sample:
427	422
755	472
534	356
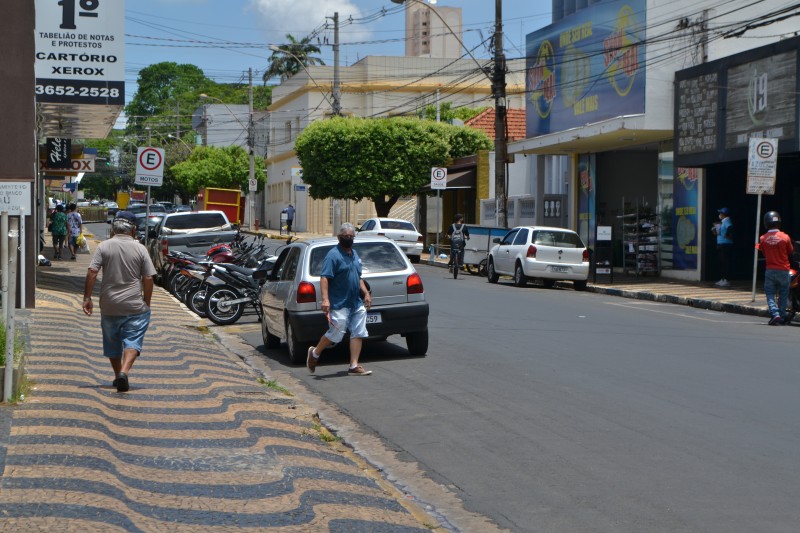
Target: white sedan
401	231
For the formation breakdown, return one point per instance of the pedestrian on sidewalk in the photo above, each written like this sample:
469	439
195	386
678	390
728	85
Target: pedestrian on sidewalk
289	218
724	232
777	249
59	230
74	227
124	295
342	302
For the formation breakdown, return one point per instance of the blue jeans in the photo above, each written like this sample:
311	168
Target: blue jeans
777	282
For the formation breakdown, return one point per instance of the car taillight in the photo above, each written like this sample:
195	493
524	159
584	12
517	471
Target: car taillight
586	256
414	284
306	293
164	246
531	252
419	239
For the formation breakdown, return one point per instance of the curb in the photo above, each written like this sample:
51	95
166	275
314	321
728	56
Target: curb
699	303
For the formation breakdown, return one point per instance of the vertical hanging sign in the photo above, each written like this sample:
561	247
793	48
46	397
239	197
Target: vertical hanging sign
80	51
58	153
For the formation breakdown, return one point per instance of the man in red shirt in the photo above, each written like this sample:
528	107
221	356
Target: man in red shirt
777	249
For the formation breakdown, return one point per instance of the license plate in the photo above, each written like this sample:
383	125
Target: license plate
559	269
373	318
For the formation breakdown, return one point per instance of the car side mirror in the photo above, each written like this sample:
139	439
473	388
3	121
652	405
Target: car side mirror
496	240
260	274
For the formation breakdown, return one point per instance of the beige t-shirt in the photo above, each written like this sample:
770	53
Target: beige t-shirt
124	262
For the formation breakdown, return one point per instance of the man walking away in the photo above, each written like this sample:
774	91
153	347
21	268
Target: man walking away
124	295
74	226
341	287
777	249
724	233
289	218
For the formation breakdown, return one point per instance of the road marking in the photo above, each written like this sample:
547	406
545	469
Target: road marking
640	306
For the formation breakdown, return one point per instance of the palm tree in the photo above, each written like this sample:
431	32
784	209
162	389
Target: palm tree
285	64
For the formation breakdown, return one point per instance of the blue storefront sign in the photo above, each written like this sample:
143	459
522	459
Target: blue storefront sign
684	219
586	68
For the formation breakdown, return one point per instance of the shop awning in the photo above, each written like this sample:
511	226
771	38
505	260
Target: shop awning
459	179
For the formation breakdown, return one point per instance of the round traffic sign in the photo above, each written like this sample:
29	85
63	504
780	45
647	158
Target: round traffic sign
439	173
765	150
150	159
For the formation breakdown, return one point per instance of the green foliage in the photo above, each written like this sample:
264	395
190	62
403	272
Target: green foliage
19	344
379	159
296	54
447	113
209	166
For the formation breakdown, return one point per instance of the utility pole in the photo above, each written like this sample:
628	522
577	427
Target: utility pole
251	146
337	87
500	143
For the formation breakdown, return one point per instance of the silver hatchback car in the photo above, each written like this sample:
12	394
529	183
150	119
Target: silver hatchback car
539	252
292	303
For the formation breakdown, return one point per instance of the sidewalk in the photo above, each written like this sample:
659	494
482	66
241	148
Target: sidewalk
199	443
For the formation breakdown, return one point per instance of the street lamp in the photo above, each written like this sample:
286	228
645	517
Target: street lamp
250	143
171	136
498	80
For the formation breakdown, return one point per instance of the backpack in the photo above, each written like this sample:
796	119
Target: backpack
457	237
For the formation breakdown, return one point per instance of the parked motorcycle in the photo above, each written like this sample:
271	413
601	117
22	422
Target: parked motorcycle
225	304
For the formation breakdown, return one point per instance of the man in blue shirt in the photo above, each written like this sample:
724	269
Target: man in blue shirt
724	233
341	287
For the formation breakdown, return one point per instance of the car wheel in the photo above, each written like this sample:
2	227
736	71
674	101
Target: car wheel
548	283
579	285
490	273
270	341
520	279
298	351
417	342
482	268
217	308
414	258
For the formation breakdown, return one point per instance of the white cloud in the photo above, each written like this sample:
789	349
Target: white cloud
300	17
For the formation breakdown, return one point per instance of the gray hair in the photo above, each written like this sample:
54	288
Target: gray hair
347	227
120	226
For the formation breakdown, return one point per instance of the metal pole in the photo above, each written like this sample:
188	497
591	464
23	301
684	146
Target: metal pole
4	260
438	220
22	261
251	146
755	249
13	237
500	143
337	87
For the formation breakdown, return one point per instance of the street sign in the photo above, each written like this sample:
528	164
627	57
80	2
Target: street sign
14	196
252	184
438	178
149	166
299	188
762	164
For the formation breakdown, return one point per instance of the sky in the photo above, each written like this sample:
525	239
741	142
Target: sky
226	37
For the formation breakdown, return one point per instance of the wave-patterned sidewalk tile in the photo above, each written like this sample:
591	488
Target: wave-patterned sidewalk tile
197	444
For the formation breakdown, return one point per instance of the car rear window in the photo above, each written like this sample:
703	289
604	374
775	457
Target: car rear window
375	257
397	224
563	239
197	221
139	209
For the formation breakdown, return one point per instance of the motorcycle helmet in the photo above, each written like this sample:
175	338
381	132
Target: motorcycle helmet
219	249
772	219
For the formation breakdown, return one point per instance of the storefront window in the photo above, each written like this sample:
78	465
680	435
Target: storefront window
666	208
678	200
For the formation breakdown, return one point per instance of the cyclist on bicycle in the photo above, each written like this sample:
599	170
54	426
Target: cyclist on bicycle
459	235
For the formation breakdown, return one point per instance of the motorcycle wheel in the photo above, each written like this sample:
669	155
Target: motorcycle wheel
216	308
174	281
196	299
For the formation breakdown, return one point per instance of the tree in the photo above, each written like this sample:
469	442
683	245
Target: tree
209	166
447	113
292	59
379	159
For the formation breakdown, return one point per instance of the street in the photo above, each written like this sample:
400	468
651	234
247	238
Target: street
551	410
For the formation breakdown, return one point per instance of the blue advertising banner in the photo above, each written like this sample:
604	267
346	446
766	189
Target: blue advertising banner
684	219
586	68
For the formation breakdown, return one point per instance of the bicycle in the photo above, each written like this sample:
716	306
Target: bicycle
456	259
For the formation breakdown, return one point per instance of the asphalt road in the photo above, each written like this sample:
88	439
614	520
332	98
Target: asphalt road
551	410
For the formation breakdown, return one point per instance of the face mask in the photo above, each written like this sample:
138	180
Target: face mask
346	242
